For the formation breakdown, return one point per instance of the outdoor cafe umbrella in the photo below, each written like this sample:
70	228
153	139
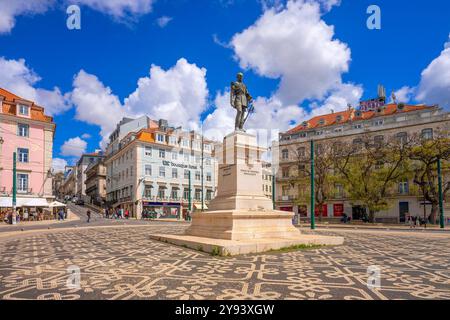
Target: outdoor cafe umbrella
56	204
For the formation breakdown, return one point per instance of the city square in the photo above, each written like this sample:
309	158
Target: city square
187	153
122	262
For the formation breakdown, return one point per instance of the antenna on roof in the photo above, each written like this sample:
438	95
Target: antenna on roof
381	92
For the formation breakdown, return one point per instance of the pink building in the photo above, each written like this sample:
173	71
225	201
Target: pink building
26	130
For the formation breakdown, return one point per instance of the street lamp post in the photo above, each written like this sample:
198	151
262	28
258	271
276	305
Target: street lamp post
441	200
189	193
14	193
313	223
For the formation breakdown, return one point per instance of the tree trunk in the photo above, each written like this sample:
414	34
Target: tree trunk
434	209
371	216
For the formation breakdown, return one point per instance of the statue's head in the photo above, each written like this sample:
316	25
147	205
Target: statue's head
240	76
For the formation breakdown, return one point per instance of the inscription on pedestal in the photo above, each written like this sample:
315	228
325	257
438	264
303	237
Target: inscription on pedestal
226	171
249	172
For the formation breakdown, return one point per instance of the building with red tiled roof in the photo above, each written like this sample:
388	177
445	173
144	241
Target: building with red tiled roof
349	126
26	130
353	115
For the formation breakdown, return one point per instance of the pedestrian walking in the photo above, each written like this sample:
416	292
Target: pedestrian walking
88	213
127	214
411	222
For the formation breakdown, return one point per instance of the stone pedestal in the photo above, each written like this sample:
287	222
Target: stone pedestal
239	181
241	218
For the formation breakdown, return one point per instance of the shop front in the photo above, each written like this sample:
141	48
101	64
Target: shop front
161	210
27	209
338	210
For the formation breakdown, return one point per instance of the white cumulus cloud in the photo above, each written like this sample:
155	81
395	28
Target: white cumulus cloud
338	100
73	147
58	165
295	45
163	21
17	77
86	136
10	9
270	114
95	103
404	94
434	87
292	43
119	8
178	94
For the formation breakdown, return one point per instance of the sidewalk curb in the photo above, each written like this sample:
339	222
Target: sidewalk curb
19	233
383	228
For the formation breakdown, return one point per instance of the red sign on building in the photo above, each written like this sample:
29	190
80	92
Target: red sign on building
324	211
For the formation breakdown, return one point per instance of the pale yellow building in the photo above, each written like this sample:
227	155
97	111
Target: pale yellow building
350	125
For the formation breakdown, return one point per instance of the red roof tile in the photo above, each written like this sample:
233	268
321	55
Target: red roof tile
9	106
352	115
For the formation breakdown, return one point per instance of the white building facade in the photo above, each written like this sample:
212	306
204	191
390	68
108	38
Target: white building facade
150	173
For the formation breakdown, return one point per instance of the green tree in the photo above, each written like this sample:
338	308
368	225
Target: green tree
425	153
370	167
324	178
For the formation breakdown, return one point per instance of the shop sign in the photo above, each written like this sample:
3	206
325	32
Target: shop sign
160	204
179	165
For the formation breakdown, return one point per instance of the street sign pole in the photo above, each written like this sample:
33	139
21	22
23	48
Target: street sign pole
313	222
14	195
273	192
203	198
441	200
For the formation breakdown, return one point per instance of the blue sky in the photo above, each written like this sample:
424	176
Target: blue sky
117	46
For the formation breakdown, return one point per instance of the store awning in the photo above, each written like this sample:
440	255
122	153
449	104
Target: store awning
6	202
55	204
35	202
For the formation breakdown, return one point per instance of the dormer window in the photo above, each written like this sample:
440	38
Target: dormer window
160	137
339	118
358	114
24	110
322	122
305	124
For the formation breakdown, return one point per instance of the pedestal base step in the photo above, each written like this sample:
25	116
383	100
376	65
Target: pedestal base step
235	247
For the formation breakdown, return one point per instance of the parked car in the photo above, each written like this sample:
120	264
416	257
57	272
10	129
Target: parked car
74	199
80	202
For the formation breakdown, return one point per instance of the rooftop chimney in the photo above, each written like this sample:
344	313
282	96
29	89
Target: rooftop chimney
163	124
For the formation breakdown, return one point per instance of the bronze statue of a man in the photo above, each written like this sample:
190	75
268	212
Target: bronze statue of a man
240	100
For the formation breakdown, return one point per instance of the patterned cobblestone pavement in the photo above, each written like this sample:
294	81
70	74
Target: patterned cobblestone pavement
123	263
